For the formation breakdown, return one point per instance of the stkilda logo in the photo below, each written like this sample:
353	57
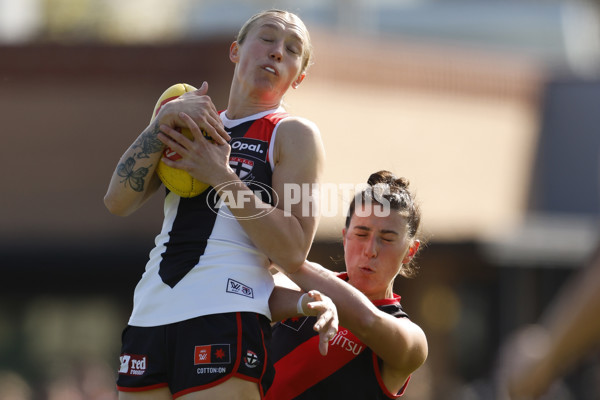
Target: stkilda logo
249	145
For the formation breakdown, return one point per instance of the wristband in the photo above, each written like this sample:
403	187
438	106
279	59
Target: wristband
299	307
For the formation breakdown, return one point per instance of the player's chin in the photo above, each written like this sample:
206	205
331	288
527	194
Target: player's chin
272	85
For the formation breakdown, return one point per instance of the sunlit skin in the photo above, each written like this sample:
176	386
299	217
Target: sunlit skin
375	247
267	64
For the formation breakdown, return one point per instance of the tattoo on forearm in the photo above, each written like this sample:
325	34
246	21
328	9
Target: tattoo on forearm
132	177
148	143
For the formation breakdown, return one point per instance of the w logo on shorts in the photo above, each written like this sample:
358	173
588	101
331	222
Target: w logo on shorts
212	354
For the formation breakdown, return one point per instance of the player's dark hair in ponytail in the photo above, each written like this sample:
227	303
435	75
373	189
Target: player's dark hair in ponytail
390	191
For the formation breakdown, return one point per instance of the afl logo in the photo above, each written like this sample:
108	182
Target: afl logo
261	197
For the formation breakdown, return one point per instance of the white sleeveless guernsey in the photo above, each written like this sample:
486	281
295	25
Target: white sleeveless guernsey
203	262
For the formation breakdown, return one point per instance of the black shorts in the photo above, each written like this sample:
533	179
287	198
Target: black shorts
197	354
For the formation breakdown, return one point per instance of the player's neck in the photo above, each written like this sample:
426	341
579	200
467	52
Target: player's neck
241	106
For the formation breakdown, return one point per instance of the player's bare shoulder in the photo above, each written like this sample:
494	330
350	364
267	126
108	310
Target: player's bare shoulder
298	125
296	135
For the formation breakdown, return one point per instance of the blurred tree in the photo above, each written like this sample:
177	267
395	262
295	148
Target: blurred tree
70	20
113	21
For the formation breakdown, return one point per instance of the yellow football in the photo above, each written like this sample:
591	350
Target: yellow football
176	180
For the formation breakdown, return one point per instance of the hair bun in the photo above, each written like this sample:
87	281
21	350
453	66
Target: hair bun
381	177
386	177
402	183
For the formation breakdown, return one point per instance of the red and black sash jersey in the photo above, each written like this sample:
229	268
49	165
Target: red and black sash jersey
196	216
350	370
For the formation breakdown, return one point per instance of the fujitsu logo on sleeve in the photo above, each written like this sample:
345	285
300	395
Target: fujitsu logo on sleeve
347	341
132	364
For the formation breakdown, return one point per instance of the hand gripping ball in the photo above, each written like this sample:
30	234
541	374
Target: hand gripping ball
177	180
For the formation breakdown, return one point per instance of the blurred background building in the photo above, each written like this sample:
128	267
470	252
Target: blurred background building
489	107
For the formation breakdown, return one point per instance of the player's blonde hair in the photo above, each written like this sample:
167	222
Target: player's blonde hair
307	49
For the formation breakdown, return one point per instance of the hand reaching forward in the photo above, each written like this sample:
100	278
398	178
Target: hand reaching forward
323	308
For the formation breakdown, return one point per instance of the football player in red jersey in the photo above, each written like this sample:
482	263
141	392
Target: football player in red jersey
377	347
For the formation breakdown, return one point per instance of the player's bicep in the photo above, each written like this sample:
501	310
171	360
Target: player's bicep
299	164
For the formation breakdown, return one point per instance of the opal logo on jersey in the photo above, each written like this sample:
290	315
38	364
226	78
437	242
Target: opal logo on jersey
248	145
212	354
132	364
236	287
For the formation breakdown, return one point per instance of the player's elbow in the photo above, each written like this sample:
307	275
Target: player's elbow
292	261
116	207
418	351
291	250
